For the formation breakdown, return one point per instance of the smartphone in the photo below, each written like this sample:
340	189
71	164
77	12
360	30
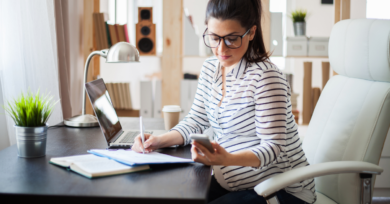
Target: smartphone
203	140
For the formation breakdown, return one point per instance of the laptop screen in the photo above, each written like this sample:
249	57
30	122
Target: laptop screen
104	110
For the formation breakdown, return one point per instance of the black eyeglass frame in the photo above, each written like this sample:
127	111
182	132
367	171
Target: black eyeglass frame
219	40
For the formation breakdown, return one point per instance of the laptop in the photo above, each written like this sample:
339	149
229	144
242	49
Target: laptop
108	119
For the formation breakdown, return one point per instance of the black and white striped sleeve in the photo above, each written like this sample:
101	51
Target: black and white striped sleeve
196	121
270	97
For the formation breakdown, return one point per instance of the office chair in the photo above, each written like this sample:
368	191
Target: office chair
348	128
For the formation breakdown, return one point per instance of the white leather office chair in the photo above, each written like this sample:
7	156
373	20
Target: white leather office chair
349	125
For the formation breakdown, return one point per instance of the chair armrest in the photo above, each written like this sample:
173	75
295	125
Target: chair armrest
274	184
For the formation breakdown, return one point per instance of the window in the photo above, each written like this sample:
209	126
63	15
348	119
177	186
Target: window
378	9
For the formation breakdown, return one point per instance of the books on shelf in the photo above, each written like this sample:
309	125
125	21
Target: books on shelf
101	40
92	166
113	35
126	34
106	35
96	31
121	32
128	96
120	95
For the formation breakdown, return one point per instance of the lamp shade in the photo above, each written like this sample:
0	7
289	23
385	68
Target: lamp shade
122	52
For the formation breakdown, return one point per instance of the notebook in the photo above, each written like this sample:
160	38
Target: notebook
92	166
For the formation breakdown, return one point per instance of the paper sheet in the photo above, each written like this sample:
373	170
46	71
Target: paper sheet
133	158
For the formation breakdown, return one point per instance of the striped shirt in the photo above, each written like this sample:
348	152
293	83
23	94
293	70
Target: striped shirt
255	115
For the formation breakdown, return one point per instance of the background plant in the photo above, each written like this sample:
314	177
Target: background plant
298	15
29	110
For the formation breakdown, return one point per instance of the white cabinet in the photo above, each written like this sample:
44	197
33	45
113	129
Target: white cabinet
157	100
297	46
146	94
318	47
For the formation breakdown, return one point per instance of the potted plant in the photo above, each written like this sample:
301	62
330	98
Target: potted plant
298	17
30	113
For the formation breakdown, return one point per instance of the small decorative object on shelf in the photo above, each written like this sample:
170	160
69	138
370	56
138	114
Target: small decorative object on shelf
145	32
298	17
30	113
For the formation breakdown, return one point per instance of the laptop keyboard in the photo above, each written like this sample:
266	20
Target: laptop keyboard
129	137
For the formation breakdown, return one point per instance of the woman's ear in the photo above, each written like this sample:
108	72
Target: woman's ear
252	32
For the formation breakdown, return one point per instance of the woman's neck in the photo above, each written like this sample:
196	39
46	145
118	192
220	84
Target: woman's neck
228	69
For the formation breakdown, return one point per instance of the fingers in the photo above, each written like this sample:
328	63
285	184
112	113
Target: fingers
146	135
203	149
149	141
197	157
137	146
217	147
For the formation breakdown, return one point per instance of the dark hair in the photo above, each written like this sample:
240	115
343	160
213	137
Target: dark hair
247	13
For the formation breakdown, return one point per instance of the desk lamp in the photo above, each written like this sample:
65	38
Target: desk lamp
118	53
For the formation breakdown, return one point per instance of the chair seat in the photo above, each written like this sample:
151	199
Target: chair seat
323	199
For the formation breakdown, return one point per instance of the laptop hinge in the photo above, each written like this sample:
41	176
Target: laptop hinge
117	136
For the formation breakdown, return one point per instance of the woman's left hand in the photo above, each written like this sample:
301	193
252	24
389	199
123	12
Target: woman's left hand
219	157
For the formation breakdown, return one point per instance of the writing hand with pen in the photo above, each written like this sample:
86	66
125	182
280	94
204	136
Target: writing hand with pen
150	143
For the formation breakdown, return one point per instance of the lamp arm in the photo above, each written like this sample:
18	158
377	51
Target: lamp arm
102	53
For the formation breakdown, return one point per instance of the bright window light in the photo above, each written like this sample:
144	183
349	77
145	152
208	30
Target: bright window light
279	62
121	11
378	9
277	6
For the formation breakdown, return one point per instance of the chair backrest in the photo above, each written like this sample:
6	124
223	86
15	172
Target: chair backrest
352	117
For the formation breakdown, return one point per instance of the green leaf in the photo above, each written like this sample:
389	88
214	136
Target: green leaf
30	110
298	15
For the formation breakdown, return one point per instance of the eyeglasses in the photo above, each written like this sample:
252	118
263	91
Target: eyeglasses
231	41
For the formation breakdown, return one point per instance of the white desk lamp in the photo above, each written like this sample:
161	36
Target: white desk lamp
119	53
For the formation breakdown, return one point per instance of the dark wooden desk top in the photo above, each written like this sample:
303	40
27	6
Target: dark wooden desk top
36	179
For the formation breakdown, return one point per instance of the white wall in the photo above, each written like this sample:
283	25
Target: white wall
319	19
197	9
358	9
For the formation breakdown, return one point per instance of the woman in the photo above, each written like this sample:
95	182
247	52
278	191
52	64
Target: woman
246	99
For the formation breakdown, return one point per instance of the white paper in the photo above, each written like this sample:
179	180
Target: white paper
133	158
101	166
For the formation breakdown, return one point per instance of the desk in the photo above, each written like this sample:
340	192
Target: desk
36	179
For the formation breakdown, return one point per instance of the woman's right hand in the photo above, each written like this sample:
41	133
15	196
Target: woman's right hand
151	143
